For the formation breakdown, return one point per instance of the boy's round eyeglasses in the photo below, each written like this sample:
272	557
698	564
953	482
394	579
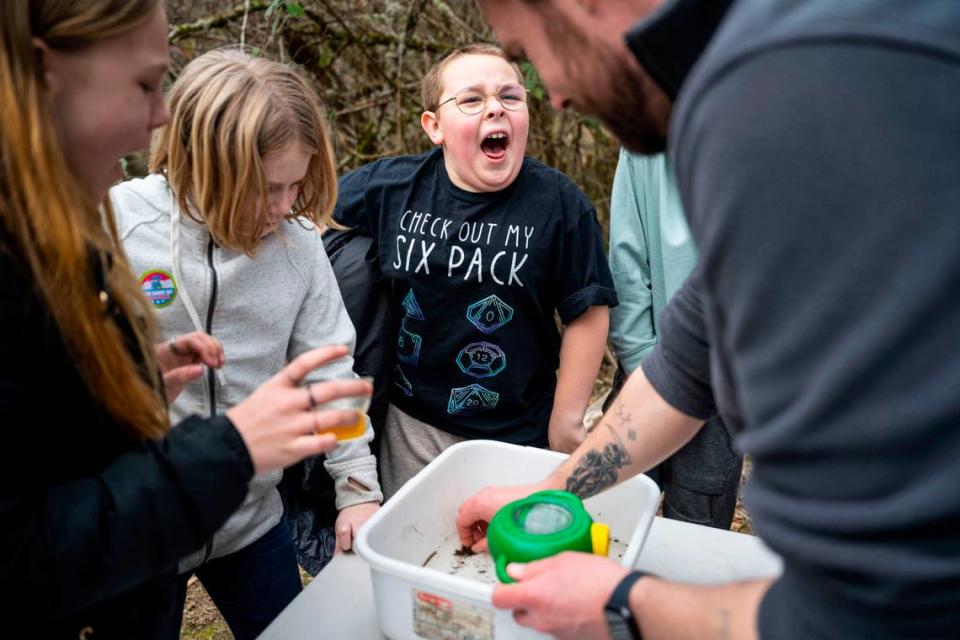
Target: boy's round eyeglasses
472	101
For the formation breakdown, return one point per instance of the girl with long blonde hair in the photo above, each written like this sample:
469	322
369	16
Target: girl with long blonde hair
98	498
225	238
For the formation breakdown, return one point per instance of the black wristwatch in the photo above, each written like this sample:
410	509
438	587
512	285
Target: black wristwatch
620	621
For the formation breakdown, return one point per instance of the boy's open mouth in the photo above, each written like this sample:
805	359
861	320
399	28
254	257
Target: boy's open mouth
494	146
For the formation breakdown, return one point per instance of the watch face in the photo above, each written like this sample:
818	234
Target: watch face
618	625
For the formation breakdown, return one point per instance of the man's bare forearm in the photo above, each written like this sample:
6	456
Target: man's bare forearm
676	611
639	431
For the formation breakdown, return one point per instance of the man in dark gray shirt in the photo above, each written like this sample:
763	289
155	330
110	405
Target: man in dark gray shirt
817	147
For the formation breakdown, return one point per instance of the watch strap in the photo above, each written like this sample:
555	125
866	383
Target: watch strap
619	602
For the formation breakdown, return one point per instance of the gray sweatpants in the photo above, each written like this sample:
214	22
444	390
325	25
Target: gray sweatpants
408	445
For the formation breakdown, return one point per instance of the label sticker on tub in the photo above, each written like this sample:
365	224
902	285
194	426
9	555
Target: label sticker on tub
438	618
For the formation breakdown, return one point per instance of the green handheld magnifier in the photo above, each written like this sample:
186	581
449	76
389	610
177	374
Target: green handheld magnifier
543	524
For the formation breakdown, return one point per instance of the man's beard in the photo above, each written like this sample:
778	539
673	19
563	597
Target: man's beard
631	105
626	99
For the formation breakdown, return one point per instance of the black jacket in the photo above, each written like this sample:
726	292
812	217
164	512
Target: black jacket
92	522
355	263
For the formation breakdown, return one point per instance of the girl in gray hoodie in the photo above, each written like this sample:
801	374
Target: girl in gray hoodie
224	238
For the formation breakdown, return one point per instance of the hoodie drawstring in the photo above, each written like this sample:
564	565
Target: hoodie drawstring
175	261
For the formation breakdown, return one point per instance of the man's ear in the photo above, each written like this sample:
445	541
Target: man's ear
47	60
431	125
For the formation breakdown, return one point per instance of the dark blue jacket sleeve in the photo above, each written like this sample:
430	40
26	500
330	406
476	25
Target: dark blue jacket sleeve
87	540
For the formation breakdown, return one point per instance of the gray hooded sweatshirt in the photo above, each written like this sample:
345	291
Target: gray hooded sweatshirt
264	310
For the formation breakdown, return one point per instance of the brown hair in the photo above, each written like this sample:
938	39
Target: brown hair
227	111
431	87
48	222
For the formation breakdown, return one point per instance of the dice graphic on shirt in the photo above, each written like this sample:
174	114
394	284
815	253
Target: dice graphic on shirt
481	360
400	379
489	314
408	346
471	399
412	307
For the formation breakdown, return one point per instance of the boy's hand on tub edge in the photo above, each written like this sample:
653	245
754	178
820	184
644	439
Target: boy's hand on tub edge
349	521
566	437
475	513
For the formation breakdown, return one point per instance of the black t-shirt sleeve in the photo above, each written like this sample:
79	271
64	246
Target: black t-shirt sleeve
584	278
679	365
353	193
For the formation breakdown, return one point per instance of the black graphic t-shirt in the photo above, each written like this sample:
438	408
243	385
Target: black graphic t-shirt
475	278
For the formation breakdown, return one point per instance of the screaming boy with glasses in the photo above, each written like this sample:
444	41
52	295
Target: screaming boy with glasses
481	246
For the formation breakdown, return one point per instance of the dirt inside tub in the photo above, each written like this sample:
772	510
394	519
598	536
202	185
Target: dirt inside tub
455	559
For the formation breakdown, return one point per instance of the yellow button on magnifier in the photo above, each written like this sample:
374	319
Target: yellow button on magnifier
600	538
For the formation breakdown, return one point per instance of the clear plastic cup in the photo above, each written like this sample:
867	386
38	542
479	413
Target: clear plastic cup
359	404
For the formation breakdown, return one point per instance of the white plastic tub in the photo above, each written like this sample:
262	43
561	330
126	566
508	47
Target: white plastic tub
422	590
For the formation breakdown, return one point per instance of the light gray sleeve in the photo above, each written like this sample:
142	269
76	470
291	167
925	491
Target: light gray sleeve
323	320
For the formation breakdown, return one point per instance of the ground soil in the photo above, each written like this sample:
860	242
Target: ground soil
201	620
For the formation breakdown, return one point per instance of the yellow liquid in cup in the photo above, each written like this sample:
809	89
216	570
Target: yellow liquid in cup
350	431
359	405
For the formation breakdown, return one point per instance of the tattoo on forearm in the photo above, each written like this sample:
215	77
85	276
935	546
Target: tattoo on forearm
598	470
624	419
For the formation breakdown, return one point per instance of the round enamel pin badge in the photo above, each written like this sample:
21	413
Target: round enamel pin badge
159	287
